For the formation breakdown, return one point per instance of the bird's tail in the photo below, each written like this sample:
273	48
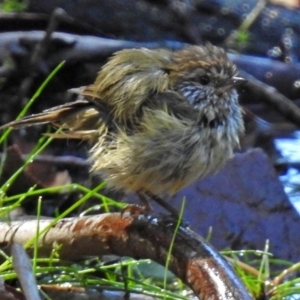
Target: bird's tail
81	119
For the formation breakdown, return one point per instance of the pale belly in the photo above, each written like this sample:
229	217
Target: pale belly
136	164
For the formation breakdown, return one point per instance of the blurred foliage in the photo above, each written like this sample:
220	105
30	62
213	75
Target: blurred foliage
13	5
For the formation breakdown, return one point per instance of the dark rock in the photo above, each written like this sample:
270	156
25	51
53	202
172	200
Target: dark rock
246	205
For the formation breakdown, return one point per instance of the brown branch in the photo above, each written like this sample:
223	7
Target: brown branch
271	96
193	260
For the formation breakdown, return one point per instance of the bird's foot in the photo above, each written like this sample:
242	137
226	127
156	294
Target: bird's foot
134	210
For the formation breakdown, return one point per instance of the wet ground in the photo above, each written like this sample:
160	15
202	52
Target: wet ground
289	148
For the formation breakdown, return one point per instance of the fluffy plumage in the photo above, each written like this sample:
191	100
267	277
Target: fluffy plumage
158	120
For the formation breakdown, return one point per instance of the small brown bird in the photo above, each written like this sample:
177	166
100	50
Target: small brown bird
158	119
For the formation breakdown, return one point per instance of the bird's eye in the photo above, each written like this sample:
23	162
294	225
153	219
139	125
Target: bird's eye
204	80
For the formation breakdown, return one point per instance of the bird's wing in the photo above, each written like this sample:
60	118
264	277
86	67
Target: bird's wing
127	80
173	104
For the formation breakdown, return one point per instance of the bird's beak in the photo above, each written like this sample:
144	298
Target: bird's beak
235	81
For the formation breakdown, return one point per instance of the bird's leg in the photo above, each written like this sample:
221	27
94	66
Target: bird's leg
146	204
163	204
146	208
135	209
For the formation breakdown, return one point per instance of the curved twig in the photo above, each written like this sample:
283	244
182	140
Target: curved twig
193	260
271	96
